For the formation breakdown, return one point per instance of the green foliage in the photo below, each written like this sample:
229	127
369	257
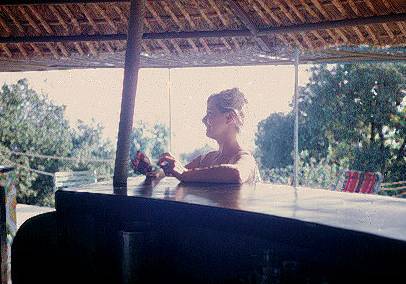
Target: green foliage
23	177
350	116
274	141
88	143
319	174
31	123
152	141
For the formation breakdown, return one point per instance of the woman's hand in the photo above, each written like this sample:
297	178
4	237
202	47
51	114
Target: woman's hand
141	163
154	175
170	166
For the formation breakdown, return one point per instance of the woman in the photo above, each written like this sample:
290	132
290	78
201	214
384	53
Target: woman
230	163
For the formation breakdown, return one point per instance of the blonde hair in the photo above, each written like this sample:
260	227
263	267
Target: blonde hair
231	100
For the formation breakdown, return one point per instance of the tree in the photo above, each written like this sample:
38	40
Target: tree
151	140
88	144
355	105
31	123
353	114
274	141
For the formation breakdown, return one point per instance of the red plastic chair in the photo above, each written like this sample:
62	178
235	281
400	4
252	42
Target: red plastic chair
359	182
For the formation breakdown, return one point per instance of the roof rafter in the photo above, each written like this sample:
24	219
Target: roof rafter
281	6
4	46
38	30
76	25
390	6
197	32
223	20
192	24
384	25
151	9
239	12
367	28
341	9
210	23
178	23
93	24
314	15
220	33
21	30
48	29
279	22
65	27
268	22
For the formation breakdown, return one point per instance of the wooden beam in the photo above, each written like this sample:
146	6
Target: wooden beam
93	24
106	17
315	16
284	10
48	29
369	55
192	24
8	33
65	27
40	2
242	15
161	23
268	22
178	23
278	21
76	25
384	25
210	23
343	12
132	65
367	28
223	20
38	30
21	30
209	34
6	50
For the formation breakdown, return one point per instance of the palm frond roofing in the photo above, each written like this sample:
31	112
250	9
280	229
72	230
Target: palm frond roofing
63	34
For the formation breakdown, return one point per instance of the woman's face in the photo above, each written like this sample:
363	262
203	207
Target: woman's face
216	122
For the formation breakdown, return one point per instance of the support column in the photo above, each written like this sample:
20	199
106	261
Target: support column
296	130
170	109
8	220
132	64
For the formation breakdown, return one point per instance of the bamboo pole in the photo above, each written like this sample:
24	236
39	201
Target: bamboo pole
170	109
296	128
132	65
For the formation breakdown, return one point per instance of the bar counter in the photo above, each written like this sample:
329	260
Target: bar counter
210	233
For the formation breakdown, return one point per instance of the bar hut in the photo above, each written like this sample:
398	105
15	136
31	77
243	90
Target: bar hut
129	232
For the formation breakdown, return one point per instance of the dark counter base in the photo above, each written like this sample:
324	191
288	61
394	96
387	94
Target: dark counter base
107	238
202	244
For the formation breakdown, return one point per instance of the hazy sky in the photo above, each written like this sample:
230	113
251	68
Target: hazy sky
96	93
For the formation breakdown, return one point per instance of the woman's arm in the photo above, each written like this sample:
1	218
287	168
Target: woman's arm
226	173
239	172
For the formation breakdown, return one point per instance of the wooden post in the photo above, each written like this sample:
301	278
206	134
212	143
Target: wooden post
296	130
132	63
8	221
170	110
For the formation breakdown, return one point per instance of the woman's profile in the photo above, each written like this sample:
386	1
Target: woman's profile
230	163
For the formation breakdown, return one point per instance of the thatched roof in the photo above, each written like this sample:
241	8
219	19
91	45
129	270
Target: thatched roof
62	34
